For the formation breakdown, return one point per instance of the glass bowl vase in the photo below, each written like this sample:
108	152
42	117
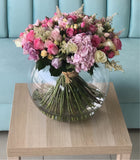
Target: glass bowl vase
68	98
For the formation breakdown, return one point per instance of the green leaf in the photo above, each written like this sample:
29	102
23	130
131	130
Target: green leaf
79	20
66	67
55	72
42	63
107	26
91	71
62	32
96	65
47	17
69	67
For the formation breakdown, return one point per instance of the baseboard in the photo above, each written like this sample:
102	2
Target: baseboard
131	113
5	115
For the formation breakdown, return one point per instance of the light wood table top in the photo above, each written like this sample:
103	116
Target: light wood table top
33	134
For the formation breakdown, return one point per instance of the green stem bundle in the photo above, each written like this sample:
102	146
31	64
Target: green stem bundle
69	101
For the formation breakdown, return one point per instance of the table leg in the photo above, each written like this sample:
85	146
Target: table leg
123	156
14	158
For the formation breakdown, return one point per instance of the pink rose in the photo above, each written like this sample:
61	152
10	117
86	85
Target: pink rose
106	34
95	40
117	43
47	43
45	22
75	31
38	44
52	49
92	28
79	30
37	23
33	54
110	54
106	49
50	23
83	24
73	17
56	35
70	32
103	39
29	27
61	23
55	17
86	19
56	63
103	20
24	41
44	25
30	36
21	34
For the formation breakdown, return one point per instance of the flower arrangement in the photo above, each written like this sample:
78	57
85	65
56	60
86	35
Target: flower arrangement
68	44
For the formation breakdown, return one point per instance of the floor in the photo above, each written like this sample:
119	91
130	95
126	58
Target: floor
134	134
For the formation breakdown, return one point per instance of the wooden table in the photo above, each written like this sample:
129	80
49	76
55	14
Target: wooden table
33	134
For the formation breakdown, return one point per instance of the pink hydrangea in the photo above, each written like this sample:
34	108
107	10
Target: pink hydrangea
83	59
38	44
117	43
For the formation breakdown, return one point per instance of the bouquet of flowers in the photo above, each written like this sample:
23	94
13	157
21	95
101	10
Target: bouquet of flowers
68	44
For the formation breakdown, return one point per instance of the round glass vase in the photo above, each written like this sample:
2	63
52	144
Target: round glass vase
70	96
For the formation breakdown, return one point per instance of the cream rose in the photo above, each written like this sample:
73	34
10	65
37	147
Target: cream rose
100	57
110	44
43	53
18	42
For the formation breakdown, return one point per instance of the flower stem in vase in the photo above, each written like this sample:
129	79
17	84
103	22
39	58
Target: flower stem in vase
71	99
